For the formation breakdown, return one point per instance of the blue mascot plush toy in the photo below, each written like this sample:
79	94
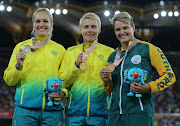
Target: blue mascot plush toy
135	74
53	85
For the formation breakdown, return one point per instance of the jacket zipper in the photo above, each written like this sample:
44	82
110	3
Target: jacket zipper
121	74
44	83
89	87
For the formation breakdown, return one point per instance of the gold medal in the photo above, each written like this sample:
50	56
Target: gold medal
111	67
83	66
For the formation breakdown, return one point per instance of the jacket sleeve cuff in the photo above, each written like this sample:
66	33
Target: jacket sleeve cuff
153	87
76	65
18	69
65	91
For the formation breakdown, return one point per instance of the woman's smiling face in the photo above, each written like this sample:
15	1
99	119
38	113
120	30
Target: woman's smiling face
42	24
90	30
124	32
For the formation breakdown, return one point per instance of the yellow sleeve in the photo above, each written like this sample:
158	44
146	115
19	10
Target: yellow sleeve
68	70
108	89
11	74
161	64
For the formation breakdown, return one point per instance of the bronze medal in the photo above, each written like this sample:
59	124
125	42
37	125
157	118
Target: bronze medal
111	67
83	66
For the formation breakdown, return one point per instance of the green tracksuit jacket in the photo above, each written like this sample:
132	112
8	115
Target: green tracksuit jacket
150	58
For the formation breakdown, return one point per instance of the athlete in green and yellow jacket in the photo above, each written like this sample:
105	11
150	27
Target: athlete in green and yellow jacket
150	58
130	110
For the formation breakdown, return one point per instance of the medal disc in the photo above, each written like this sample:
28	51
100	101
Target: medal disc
111	67
83	66
27	49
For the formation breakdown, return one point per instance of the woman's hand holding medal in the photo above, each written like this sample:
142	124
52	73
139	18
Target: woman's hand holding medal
111	67
81	61
20	58
104	74
82	64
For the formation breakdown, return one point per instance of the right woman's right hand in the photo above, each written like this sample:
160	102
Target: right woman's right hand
104	74
20	58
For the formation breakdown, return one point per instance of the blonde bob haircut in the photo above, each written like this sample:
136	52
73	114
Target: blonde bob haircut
91	16
123	16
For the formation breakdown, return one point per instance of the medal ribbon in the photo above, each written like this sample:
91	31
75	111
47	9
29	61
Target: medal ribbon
117	59
83	65
91	48
36	46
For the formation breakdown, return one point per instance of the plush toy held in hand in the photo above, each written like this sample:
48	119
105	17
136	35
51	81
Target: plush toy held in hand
53	85
135	74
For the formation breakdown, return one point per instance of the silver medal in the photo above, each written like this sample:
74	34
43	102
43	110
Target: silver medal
27	49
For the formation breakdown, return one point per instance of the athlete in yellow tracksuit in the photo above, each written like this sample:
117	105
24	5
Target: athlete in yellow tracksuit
38	67
29	72
86	96
87	102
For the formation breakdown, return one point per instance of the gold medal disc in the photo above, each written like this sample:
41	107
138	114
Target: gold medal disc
83	66
111	67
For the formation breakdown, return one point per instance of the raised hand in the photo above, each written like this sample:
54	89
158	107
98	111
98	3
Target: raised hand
104	74
20	58
79	59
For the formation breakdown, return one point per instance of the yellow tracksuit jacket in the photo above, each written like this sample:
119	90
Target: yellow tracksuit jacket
86	96
38	67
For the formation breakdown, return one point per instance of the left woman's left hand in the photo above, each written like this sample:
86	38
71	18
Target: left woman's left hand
140	88
57	96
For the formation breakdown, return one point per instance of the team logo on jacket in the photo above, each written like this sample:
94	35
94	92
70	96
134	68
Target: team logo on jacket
101	56
54	52
136	59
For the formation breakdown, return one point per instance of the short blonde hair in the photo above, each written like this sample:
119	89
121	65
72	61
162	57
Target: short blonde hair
123	16
91	16
50	17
